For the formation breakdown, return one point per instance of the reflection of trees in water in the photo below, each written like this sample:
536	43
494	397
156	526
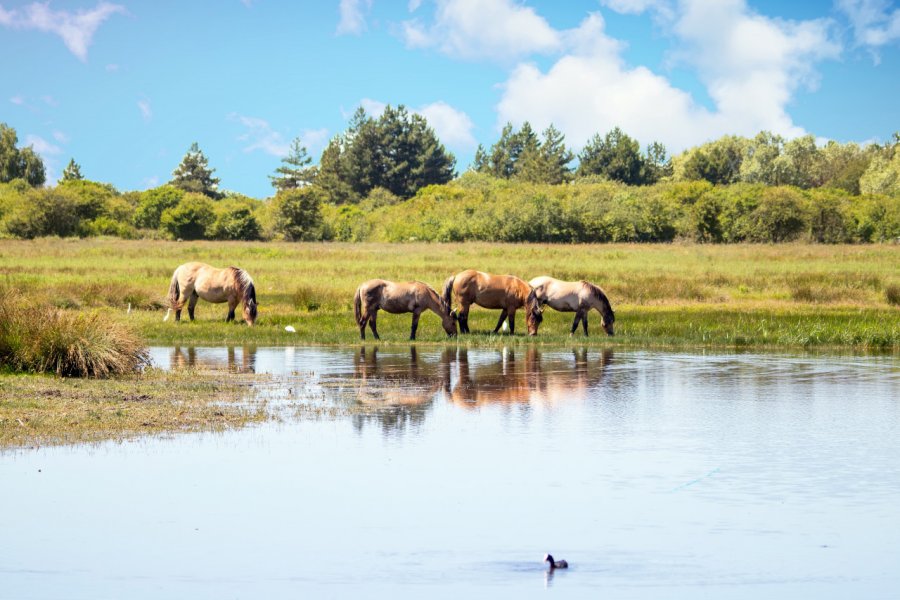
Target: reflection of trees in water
212	359
401	388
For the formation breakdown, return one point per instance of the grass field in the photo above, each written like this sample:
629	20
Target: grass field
673	295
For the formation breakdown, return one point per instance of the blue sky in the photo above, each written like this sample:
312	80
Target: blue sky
124	87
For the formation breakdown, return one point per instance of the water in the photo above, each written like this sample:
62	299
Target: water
654	475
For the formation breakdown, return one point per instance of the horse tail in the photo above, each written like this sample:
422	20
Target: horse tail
357	308
174	294
448	291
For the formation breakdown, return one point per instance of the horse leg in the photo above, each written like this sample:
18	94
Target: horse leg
464	318
373	325
584	322
579	315
503	315
512	322
191	304
415	325
362	328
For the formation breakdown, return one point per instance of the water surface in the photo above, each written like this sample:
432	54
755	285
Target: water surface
653	474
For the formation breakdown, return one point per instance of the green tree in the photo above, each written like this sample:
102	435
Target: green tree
19	163
194	174
72	172
615	156
153	202
718	162
295	170
298	213
656	164
332	177
190	219
547	163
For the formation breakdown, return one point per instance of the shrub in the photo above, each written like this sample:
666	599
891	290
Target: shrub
152	204
43	212
237	223
298	214
46	339
190	218
778	217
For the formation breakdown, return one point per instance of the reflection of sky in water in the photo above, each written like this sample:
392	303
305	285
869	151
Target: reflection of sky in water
655	475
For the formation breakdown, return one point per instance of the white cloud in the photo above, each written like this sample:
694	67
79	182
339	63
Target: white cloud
76	29
414	5
259	135
874	24
18	99
60	137
42	146
494	29
373	107
146	109
150	182
353	16
751	66
452	126
634	7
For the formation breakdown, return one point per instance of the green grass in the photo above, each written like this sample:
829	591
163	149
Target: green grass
665	295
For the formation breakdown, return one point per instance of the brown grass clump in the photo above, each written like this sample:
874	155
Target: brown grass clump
892	294
45	339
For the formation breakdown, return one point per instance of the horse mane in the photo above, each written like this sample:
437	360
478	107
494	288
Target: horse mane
245	283
597	293
445	306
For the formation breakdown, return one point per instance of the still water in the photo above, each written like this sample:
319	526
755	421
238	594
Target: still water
655	475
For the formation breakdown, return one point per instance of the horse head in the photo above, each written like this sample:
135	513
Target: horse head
534	314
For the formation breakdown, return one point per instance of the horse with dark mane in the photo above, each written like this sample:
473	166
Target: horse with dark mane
575	296
195	280
409	297
504	292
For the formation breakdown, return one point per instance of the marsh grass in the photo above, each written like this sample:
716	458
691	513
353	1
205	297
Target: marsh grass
45	410
664	294
892	294
45	339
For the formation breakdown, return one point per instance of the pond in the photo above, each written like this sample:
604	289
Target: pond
654	474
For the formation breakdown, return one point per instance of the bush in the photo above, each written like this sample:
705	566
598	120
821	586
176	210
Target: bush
190	218
152	204
43	212
298	214
44	339
779	216
237	223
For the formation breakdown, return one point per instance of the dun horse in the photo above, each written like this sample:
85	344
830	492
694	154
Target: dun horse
411	297
195	280
575	296
503	292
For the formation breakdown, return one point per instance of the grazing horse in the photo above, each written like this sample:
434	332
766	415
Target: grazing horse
575	296
505	292
411	297
195	280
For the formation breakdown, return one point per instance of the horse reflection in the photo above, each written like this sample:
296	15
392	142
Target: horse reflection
526	377
212	358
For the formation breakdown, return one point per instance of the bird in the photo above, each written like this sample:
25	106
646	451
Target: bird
290	329
555	564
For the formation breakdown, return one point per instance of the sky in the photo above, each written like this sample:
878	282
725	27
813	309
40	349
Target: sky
125	87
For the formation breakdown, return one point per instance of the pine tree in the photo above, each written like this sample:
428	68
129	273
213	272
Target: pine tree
615	156
194	174
72	172
295	171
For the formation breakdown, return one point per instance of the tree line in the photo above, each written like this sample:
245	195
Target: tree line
390	178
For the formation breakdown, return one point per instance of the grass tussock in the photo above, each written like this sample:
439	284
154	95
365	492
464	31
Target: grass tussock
892	294
45	339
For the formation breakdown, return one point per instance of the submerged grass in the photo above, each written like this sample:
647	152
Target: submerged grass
44	410
664	294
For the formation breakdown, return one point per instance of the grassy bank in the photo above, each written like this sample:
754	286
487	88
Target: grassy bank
46	410
672	295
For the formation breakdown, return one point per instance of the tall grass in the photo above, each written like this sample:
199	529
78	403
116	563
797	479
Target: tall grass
45	339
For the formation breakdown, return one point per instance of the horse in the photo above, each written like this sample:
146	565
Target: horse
195	280
409	297
575	296
506	292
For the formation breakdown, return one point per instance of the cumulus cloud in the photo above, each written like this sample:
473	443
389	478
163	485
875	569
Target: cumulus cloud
636	7
259	135
493	29
452	126
76	29
874	23
353	16
751	66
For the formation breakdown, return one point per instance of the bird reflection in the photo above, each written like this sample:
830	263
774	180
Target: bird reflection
212	358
